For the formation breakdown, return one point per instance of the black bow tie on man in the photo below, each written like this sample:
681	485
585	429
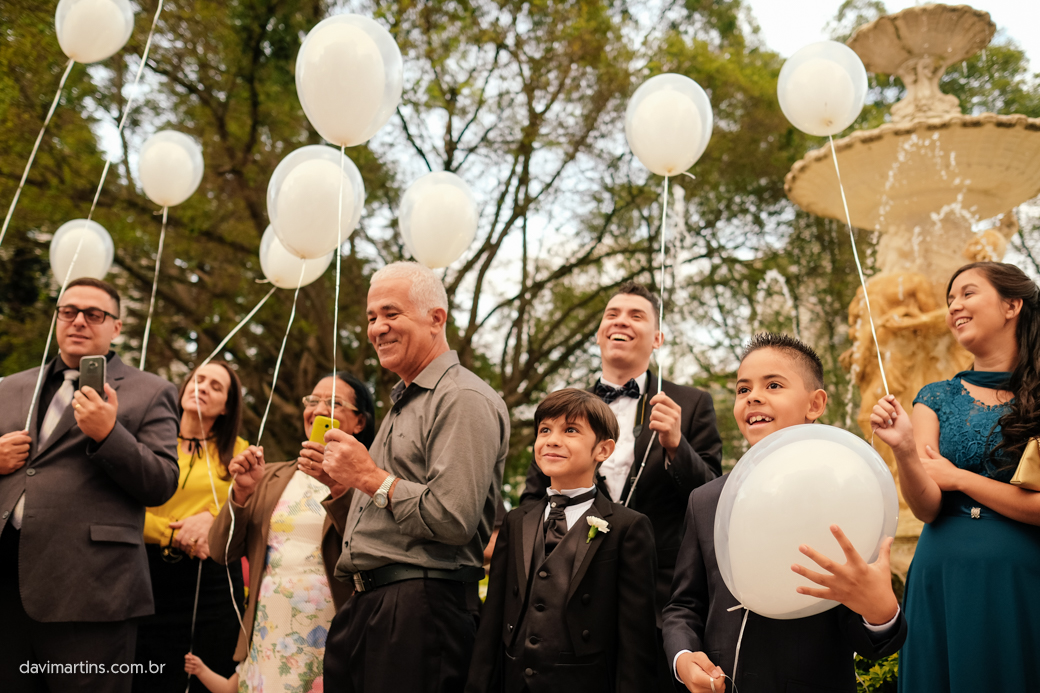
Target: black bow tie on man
608	394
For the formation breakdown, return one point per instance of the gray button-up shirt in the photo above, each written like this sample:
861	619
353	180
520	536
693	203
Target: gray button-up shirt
446	438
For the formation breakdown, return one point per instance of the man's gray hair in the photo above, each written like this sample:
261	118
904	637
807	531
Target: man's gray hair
427	292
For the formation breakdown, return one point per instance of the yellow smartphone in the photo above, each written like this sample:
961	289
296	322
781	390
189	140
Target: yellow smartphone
321	425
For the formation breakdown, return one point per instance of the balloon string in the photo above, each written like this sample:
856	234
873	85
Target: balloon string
664	233
54	320
238	327
155	287
859	267
339	253
216	504
39	377
36	147
281	352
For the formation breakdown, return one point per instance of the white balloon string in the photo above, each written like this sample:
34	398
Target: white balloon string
736	656
238	327
36	147
216	504
54	320
859	267
335	305
155	288
281	352
664	233
194	610
39	377
140	68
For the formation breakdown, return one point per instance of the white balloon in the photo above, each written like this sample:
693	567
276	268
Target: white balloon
303	198
668	123
283	269
95	247
349	76
170	167
787	490
92	30
438	218
822	88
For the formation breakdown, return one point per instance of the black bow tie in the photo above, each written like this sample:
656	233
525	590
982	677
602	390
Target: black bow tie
608	394
555	526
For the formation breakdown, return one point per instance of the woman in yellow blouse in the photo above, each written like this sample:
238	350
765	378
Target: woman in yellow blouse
176	537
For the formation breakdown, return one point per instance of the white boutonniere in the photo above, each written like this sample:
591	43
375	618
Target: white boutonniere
596	525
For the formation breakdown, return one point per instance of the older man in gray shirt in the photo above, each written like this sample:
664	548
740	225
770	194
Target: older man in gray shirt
425	503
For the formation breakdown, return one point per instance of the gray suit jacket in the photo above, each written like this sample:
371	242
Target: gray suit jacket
81	555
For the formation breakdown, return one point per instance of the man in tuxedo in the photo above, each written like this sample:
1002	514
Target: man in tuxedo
73	492
668	444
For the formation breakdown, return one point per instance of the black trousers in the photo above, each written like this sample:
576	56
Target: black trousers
166	637
61	657
414	635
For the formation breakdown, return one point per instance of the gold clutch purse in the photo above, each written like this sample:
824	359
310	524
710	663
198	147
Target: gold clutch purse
1027	475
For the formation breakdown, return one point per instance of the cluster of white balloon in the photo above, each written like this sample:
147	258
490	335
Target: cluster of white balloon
793	485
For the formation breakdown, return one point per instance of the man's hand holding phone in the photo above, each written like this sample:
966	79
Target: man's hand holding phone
94	416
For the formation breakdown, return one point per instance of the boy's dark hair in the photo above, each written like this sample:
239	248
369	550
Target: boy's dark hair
572	404
637	289
97	284
812	367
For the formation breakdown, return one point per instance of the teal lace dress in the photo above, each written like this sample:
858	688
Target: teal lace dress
972	599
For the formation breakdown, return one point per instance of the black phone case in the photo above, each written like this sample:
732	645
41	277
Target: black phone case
92	373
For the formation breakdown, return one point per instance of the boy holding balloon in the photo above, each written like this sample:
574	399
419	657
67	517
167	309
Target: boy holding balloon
709	637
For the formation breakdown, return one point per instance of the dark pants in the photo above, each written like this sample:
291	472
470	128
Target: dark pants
415	636
166	637
87	651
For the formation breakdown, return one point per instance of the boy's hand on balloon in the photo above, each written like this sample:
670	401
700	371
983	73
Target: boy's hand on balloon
699	674
891	423
865	588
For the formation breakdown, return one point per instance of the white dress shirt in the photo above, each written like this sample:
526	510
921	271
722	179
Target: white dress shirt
615	468
572	513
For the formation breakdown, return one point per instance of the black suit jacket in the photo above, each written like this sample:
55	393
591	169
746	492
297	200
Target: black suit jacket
81	554
609	618
665	485
803	655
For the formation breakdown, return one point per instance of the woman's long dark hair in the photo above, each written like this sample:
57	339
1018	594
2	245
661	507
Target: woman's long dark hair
225	428
364	404
1022	421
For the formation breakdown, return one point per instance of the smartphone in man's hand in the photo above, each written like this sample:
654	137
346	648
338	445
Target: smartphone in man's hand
92	373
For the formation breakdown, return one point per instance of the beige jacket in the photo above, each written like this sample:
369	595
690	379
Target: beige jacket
252	523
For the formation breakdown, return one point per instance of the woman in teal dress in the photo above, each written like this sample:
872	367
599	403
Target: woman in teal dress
972	597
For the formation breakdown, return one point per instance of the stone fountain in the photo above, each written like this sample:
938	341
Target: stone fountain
923	183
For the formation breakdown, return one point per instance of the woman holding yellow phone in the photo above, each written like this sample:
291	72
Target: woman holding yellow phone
282	528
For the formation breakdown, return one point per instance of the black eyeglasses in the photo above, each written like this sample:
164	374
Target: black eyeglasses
311	401
93	316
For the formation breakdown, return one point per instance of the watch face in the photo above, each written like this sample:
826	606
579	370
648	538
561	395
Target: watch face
379	499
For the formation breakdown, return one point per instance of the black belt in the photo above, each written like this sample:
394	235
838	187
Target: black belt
366	580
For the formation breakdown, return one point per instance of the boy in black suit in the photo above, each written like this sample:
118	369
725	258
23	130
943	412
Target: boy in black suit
780	384
570	604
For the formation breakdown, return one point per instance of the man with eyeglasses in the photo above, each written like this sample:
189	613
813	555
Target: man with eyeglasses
73	492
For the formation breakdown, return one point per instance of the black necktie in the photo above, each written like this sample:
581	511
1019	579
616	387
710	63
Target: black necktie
555	526
608	394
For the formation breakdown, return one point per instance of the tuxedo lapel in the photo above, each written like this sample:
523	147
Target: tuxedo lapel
532	529
601	507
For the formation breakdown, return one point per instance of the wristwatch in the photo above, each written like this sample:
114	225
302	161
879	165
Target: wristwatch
380	498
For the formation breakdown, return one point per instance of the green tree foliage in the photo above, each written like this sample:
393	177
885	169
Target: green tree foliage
524	100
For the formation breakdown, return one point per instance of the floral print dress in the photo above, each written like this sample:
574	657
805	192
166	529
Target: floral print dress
294	608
